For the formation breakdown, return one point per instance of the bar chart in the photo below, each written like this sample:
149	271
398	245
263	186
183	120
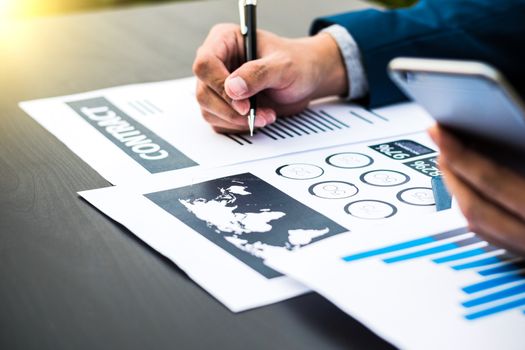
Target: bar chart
310	122
501	285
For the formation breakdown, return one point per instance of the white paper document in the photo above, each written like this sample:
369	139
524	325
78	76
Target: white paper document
220	225
129	132
429	284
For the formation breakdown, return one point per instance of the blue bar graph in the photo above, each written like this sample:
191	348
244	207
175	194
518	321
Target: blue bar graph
433	250
495	296
490	311
465	254
478	287
480	263
389	249
421	253
406	245
489	296
505	268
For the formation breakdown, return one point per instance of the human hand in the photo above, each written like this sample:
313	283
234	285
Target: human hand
491	197
286	76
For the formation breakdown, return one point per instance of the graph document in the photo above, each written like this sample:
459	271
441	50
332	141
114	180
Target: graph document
130	132
432	284
335	199
220	225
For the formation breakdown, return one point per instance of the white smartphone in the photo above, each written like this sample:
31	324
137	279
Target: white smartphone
470	98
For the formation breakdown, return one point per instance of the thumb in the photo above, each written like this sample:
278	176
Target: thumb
253	77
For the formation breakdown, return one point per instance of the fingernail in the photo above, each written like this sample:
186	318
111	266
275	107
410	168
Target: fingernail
271	117
241	106
260	122
237	86
433	133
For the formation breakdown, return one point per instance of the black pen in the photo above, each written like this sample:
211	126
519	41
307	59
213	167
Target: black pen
247	12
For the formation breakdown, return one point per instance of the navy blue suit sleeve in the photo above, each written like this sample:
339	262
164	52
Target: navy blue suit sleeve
485	30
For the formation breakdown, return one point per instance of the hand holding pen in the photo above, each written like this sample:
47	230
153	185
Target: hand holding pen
286	75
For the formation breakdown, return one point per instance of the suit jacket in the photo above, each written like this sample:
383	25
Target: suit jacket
485	30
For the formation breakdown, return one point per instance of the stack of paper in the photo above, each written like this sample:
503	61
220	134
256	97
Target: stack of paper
223	207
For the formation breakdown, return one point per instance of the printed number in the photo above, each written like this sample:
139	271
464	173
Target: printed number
333	190
300	171
426	168
390	151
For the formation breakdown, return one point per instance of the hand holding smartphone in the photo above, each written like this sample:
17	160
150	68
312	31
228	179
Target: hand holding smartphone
471	99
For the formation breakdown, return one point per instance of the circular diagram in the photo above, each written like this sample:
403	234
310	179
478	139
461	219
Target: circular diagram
371	209
333	189
300	171
420	196
349	160
384	178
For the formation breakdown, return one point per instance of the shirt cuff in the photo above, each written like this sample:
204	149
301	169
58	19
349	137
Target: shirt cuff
358	84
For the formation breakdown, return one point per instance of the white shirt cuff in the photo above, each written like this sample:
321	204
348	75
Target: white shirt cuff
358	84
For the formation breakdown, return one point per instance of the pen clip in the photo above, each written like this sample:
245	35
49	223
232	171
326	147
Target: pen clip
242	15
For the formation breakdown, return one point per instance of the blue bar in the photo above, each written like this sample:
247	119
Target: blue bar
505	268
424	252
478	263
407	244
434	250
389	249
496	309
492	283
459	256
495	296
442	196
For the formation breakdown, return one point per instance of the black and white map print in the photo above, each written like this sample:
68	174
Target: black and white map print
247	217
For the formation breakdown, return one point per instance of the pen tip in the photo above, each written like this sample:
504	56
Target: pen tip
251	121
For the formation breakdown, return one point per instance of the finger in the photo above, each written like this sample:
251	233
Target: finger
241	106
221	51
265	116
433	132
214	104
220	130
226	42
219	123
278	109
488	220
257	75
266	110
493	181
212	72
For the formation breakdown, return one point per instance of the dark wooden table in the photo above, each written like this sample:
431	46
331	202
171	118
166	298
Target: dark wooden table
69	277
